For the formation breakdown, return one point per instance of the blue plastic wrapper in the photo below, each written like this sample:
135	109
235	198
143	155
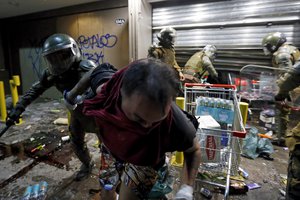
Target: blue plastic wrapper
253	145
163	185
27	193
250	144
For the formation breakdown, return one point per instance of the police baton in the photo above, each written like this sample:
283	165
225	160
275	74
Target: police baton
6	128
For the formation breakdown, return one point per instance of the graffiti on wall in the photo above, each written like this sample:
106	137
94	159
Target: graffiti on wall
34	55
92	47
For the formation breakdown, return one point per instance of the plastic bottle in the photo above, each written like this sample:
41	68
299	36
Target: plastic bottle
35	192
109	176
243	173
43	190
224	139
210	102
230	105
205	192
214	102
226	104
27	193
199	101
219	103
199	106
112	180
206	101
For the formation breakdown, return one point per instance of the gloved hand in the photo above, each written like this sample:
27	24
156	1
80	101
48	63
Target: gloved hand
71	104
184	193
181	76
280	97
13	117
216	80
213	79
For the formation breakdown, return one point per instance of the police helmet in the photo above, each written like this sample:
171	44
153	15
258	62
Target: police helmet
272	41
60	52
210	51
167	35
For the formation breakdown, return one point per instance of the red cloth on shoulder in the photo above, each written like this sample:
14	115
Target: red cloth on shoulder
127	140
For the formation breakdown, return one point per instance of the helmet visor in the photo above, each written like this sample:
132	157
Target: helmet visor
60	61
210	51
266	51
211	55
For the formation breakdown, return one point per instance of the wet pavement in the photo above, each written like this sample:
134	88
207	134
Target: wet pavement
56	164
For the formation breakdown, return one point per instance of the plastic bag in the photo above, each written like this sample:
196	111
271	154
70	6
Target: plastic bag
264	146
253	145
250	144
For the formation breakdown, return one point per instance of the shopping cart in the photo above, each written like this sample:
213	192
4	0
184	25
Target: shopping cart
220	133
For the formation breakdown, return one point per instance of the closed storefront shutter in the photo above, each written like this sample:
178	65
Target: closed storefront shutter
236	28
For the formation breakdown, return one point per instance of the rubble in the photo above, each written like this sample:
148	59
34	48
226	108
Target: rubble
57	164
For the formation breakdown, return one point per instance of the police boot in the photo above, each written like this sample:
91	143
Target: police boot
87	163
278	138
84	171
293	181
278	141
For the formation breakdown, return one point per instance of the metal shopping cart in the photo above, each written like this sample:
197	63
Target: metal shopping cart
220	132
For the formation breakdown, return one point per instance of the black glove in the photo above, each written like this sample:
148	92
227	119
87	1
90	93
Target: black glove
216	80
14	116
213	79
280	97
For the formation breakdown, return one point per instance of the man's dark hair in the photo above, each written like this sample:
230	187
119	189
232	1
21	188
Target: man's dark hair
152	78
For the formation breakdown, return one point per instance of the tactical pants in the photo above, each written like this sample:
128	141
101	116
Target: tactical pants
293	182
80	123
281	120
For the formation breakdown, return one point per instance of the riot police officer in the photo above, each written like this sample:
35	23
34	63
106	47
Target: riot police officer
287	83
200	64
65	67
165	50
284	56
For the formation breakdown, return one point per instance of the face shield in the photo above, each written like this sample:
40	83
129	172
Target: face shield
210	51
167	36
172	38
166	40
60	61
266	51
211	55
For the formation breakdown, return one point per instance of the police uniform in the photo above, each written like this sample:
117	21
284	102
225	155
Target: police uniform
166	55
63	82
200	65
284	57
287	83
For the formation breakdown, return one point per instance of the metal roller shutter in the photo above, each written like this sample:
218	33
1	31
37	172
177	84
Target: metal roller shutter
236	27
